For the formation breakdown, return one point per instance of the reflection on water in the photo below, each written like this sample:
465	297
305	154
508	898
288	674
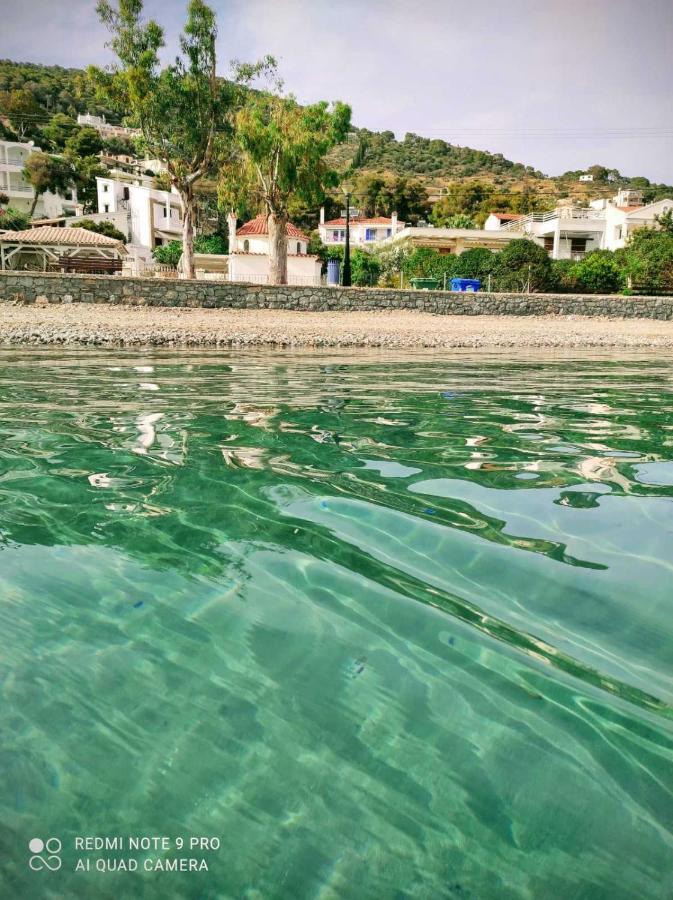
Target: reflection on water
388	627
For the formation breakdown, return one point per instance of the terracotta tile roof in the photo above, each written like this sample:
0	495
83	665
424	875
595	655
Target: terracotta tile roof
628	209
259	225
362	220
68	237
507	216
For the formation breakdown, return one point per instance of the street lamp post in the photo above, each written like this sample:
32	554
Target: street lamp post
346	279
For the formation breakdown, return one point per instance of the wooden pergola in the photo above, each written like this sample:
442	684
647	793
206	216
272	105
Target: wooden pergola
48	248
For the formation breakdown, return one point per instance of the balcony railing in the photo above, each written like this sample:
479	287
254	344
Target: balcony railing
564	212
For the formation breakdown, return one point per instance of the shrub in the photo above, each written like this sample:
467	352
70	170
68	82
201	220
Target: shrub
212	243
648	261
365	268
478	262
106	228
13	220
562	274
598	273
168	254
523	265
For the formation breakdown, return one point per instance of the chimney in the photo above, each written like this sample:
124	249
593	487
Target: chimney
231	230
393	222
322	215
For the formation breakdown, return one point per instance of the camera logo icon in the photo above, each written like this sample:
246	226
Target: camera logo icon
45	854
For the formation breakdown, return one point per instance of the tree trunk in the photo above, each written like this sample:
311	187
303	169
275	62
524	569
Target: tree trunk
32	208
277	224
187	261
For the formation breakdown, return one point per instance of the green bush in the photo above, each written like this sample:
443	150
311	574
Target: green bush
212	243
168	254
365	268
523	265
598	273
106	228
562	275
647	260
478	262
13	220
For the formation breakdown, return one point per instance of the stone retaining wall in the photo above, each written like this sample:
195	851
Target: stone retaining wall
53	288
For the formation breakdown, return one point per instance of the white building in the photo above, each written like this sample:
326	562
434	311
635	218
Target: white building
586	177
147	217
452	240
570	232
249	253
13	156
105	128
365	231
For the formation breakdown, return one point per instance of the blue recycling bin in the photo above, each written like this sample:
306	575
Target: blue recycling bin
333	271
470	285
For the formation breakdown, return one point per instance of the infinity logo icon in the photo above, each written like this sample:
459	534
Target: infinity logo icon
51	860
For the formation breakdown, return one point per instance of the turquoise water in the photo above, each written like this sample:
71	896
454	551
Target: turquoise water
386	627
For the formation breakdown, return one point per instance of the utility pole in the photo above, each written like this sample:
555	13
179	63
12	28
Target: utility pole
346	279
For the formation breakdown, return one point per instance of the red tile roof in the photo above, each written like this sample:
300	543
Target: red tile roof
259	225
507	216
628	209
363	220
68	237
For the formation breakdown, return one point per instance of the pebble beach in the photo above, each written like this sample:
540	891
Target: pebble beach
120	326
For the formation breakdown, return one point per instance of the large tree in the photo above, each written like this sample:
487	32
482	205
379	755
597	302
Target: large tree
47	173
178	107
283	158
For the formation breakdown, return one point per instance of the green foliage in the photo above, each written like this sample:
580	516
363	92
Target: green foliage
665	222
563	275
106	228
365	268
212	243
598	273
459	220
48	173
478	262
424	262
379	195
60	128
523	265
282	150
425	156
178	107
86	169
84	142
647	261
13	220
168	254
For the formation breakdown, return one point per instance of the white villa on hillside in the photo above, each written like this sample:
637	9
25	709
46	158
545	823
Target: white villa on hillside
364	231
249	253
13	156
105	128
570	232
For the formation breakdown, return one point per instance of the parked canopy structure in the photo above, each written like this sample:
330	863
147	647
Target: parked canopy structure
60	249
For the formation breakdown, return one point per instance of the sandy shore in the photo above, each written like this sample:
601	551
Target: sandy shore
101	325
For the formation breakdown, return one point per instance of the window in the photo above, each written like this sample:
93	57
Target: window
126	193
578	245
298	248
549	243
389	232
163	212
106	208
370	234
246	246
106	188
618	232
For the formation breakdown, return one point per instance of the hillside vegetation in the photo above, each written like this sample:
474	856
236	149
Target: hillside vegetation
421	178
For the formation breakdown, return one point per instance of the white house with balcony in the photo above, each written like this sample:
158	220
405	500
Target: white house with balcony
13	157
365	231
570	232
146	216
249	253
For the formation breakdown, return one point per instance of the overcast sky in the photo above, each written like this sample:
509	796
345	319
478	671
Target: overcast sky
559	85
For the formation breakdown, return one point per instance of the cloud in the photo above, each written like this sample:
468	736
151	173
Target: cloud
540	83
